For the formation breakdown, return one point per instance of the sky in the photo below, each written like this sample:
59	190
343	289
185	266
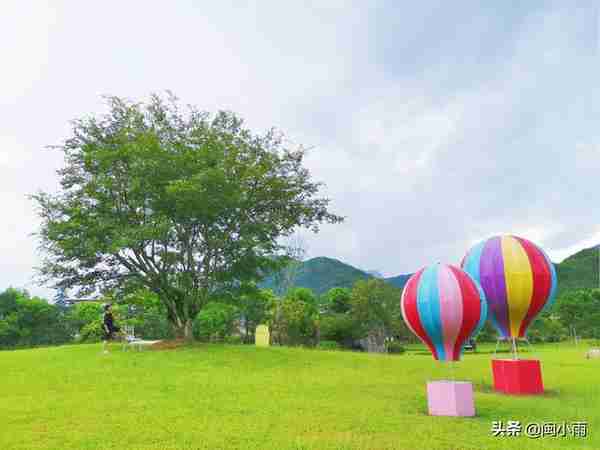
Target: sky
433	124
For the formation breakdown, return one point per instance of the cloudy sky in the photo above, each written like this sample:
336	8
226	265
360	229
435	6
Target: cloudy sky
433	124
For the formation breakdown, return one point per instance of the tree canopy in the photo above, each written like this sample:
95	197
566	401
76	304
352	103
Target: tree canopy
184	203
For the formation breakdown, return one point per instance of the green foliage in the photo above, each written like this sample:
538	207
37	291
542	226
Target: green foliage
185	205
84	313
215	321
233	340
488	333
337	300
296	321
255	308
30	321
144	310
341	328
579	271
302	295
395	347
85	319
375	306
547	329
580	310
328	345
91	332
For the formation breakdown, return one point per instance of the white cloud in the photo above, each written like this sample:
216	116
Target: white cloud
428	135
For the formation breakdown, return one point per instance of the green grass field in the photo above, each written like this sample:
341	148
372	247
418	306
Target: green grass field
212	396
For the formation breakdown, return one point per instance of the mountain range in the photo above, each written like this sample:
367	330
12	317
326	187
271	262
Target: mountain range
320	274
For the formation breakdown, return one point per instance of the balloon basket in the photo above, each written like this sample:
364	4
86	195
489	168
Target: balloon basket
517	376
450	398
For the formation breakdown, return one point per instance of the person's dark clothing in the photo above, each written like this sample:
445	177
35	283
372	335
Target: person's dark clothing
109	327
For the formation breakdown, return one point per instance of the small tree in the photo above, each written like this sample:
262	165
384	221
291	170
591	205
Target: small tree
375	309
216	321
297	322
337	300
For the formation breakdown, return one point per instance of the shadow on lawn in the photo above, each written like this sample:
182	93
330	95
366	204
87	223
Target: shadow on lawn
487	388
478	352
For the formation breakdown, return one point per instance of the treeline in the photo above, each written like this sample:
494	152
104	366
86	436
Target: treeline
27	321
366	317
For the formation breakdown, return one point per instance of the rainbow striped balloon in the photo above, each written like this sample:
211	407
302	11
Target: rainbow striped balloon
518	279
443	307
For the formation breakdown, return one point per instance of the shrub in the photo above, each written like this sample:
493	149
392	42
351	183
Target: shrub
328	345
296	323
234	340
395	347
215	321
340	328
91	332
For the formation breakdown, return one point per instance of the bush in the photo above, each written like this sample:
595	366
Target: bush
395	347
546	329
328	345
215	321
340	328
296	323
91	332
234	340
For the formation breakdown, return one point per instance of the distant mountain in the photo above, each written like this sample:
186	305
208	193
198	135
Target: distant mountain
579	270
375	273
321	274
398	281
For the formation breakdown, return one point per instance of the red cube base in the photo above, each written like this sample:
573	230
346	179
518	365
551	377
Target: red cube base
518	376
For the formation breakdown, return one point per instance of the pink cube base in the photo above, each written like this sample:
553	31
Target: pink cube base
450	398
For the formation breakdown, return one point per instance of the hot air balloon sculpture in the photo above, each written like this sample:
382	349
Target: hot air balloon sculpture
443	306
519	282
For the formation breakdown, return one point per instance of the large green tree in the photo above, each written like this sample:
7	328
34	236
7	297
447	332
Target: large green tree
183	203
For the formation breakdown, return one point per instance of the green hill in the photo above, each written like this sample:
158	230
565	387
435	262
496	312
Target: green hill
579	270
398	281
321	274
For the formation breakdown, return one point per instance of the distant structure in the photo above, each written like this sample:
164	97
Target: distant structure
262	336
61	299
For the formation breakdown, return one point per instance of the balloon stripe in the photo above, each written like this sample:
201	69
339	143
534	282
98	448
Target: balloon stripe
451	316
552	295
471	305
471	263
519	282
493	283
428	304
542	282
411	314
484	309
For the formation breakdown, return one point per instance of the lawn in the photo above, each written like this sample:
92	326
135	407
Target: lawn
213	396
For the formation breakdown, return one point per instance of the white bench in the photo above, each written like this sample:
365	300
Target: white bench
140	344
132	342
593	353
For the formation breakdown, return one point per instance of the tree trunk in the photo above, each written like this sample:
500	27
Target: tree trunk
187	330
183	330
